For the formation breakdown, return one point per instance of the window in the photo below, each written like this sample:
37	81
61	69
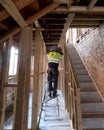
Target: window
13	61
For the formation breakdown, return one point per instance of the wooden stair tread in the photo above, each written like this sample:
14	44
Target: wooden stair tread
93	123
93	115
92	107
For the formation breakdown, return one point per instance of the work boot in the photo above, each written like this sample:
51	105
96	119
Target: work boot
50	95
54	94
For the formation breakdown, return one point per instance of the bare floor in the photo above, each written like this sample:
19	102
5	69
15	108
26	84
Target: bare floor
53	115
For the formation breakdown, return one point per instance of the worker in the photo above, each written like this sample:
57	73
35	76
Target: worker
54	56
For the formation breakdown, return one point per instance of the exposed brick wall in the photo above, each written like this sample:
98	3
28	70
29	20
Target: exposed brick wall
91	50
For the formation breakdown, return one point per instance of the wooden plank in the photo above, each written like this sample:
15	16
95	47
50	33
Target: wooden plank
21	111
91	4
14	12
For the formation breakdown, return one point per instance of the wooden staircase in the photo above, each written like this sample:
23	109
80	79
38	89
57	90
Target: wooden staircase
92	106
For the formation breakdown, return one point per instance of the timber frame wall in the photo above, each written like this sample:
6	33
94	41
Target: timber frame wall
22	84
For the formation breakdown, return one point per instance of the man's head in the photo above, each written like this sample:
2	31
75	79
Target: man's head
53	48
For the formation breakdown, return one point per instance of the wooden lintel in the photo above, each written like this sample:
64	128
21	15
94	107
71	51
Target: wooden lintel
13	11
91	4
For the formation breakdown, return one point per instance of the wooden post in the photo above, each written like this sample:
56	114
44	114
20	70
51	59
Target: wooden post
36	80
22	99
5	68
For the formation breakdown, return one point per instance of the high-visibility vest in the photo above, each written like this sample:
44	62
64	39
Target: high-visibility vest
54	57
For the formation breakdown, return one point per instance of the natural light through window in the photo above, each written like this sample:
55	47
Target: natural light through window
13	61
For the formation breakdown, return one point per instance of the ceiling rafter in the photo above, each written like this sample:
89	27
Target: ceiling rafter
91	4
4	14
80	9
3	26
29	21
77	1
8	4
42	12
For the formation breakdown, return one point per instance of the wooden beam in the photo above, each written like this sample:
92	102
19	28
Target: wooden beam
84	22
49	43
80	9
4	14
10	85
84	26
67	25
13	11
77	1
69	4
89	18
91	4
29	21
36	23
3	26
42	12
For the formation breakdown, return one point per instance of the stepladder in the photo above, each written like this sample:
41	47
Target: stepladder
51	107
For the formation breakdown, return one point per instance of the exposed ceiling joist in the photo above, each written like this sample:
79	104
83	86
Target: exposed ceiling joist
3	26
4	14
89	18
85	22
77	1
80	9
9	34
29	21
52	43
42	12
13	11
91	4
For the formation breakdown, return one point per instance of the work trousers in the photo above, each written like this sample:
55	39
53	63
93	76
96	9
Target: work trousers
52	77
